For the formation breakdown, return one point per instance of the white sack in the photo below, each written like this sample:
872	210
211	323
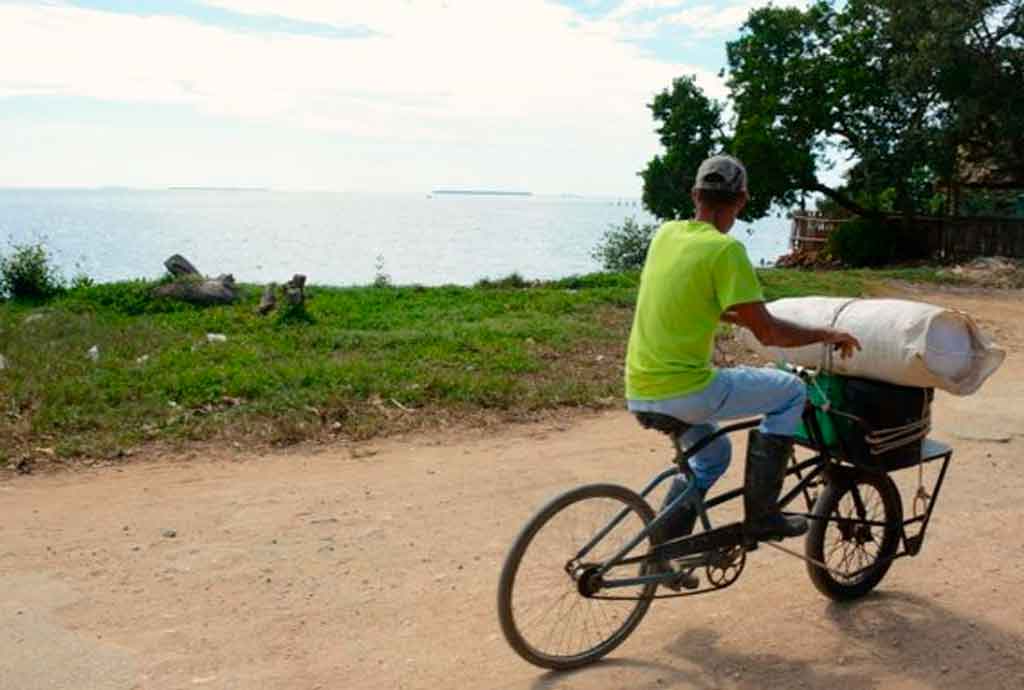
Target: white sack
906	343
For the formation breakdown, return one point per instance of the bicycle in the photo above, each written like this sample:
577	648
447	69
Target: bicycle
596	582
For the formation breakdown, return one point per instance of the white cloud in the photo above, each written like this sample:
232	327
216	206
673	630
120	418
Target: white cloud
427	64
468	71
631	7
703	19
707	19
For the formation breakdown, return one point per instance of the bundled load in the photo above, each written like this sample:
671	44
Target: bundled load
904	343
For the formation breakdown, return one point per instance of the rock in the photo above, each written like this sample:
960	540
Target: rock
35	316
216	338
142	360
94	353
168	533
23	465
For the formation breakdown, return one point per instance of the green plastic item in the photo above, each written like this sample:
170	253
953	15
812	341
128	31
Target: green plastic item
824	388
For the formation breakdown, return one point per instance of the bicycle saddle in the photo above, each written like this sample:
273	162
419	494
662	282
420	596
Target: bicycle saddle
664	423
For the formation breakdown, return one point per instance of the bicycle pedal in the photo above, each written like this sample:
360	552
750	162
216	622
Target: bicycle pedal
685	579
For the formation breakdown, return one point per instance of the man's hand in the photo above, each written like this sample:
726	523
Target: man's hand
842	341
780	333
732	317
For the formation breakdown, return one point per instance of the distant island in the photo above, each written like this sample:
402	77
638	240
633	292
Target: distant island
481	192
219	189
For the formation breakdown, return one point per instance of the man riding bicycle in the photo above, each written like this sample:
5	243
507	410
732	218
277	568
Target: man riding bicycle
695	276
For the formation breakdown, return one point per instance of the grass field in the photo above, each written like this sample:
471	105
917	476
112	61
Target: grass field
362	362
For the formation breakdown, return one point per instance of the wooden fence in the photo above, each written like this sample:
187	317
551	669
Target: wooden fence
945	238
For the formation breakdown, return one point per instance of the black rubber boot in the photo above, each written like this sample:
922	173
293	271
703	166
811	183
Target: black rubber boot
767	457
681	524
678	525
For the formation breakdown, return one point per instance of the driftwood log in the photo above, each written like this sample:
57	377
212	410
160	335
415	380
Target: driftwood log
269	300
190	285
179	267
293	294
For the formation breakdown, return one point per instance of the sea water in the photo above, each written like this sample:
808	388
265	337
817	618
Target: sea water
334	238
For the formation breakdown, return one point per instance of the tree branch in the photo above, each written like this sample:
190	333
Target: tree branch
841	199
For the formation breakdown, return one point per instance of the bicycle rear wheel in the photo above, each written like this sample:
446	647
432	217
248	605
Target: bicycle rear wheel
858	554
544	615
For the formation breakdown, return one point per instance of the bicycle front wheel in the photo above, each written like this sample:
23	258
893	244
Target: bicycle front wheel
543	612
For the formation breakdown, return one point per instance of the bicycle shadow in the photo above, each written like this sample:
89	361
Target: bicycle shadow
709	667
758	670
666	675
930	643
883	634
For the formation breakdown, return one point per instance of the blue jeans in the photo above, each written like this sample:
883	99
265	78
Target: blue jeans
734	393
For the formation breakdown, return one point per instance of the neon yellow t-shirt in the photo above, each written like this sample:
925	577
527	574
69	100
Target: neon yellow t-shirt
693	273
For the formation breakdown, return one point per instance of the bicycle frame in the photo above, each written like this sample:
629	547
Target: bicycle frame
695	549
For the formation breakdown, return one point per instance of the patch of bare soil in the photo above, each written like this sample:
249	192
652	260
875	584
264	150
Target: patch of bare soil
989	272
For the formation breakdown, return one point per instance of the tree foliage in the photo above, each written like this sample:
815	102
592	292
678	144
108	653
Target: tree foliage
907	92
690	129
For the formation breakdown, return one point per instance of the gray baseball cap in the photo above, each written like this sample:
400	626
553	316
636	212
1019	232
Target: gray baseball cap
723	174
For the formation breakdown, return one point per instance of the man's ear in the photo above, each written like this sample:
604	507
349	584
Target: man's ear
742	202
693	195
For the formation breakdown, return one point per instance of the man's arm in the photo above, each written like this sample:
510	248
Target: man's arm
776	332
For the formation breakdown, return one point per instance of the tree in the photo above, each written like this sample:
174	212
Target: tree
904	91
973	52
690	129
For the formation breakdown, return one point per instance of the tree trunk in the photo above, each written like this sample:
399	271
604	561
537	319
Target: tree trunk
843	200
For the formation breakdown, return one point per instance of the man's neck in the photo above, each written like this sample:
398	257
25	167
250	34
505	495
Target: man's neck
712	217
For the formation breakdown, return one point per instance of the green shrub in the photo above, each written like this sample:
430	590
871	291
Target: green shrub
867	242
513	281
81	280
28	273
381	278
620	279
624	247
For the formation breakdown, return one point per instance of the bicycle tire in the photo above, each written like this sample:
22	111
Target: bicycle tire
516	638
830	504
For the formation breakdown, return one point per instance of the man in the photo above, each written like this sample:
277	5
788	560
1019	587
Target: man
695	276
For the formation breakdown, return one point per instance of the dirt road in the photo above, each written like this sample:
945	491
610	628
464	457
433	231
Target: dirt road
377	568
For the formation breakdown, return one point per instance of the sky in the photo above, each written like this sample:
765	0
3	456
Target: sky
348	95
